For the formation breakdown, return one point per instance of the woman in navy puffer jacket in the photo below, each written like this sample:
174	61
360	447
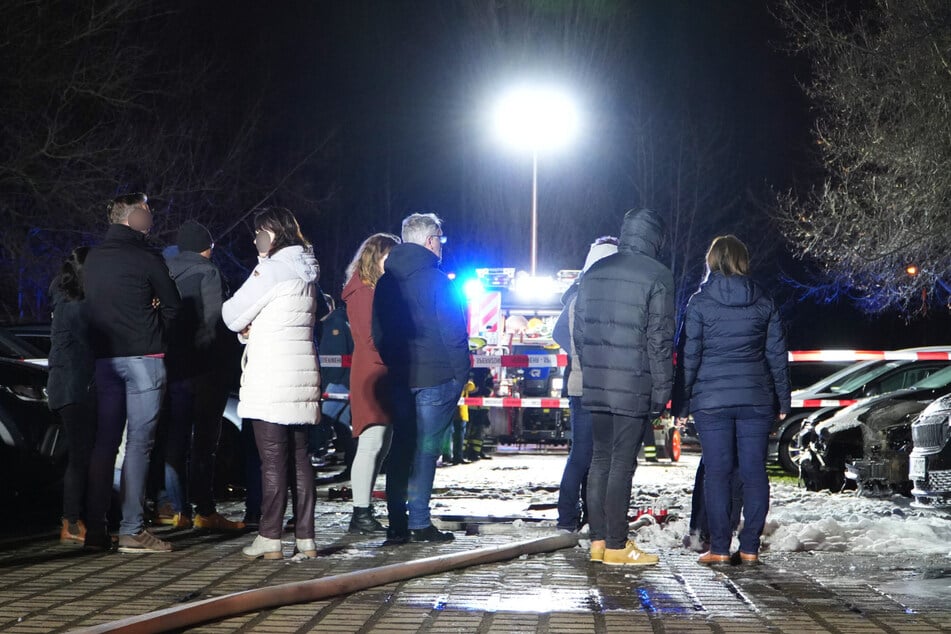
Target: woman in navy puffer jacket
736	380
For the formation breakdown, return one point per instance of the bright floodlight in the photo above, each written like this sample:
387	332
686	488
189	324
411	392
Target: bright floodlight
536	119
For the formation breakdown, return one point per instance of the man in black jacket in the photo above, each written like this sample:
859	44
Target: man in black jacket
419	328
197	386
132	301
623	334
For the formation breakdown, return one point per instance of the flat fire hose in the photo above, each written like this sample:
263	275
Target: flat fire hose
228	605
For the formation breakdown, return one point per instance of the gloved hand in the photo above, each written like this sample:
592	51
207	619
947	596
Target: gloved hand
657	410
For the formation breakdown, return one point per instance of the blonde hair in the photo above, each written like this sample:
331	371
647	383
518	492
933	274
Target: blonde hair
366	263
729	256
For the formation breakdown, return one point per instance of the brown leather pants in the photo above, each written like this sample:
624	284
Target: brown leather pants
279	446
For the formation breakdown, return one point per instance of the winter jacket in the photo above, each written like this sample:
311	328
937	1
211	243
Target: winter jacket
280	382
198	335
369	386
71	361
563	334
419	322
624	324
336	339
122	276
734	348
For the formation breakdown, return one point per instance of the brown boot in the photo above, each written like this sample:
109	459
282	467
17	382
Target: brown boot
72	532
749	558
712	559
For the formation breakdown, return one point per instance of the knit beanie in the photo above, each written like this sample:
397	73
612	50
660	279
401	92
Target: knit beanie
193	237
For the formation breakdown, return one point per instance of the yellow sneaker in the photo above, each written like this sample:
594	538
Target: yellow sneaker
217	522
630	555
597	554
178	520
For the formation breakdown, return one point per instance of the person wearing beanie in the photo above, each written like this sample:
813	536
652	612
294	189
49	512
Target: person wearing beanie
197	386
572	506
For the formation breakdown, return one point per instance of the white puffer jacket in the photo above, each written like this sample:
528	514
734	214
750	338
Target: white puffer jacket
280	382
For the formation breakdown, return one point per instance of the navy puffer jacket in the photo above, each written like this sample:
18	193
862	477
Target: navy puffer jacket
624	324
734	351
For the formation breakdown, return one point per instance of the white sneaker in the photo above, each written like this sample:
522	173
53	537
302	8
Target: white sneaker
306	547
264	547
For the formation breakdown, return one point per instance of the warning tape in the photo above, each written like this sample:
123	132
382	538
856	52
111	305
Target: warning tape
562	403
561	360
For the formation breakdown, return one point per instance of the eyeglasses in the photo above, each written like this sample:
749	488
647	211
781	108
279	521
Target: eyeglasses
442	238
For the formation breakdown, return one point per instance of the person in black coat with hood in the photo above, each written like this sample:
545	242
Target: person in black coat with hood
71	390
736	381
623	334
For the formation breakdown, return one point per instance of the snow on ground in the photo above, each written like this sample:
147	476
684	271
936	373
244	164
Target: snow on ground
799	520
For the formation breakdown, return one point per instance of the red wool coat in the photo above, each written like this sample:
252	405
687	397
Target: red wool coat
369	388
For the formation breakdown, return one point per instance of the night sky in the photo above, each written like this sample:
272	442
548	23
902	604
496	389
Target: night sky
396	96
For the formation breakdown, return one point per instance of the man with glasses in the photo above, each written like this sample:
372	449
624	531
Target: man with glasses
419	328
132	301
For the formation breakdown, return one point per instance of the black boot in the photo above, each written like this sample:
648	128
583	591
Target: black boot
363	522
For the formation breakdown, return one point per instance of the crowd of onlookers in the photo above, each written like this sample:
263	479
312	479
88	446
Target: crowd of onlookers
138	342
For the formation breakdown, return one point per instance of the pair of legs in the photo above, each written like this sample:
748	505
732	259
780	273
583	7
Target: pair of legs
616	441
735	438
572	493
699	525
79	420
372	448
195	406
421	418
278	447
128	389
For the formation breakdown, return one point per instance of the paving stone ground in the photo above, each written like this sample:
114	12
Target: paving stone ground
46	587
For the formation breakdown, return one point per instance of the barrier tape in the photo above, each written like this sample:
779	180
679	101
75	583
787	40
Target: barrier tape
561	360
562	403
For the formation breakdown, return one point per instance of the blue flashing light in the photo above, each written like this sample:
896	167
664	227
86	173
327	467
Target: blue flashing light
473	289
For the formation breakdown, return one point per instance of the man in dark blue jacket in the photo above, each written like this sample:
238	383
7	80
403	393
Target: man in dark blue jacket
419	327
132	302
623	335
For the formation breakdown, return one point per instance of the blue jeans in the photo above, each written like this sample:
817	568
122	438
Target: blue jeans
735	438
422	416
571	493
129	389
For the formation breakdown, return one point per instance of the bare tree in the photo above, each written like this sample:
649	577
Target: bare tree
109	97
877	225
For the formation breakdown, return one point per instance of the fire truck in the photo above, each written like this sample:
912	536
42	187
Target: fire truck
511	319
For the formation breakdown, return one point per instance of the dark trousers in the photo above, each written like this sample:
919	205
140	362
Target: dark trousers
735	436
573	490
195	406
279	446
79	420
698	506
617	439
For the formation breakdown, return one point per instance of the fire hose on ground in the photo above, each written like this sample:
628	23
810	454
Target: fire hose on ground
228	605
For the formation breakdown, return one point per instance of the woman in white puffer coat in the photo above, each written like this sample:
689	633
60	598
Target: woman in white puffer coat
274	311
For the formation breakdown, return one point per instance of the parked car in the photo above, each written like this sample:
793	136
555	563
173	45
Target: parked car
860	380
867	445
929	467
32	445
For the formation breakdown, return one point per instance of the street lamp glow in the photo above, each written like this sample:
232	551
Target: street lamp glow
536	119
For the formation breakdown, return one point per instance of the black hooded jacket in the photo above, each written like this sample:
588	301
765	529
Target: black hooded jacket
624	323
734	349
419	321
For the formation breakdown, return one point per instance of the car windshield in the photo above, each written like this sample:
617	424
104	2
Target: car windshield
852	383
837	378
941	378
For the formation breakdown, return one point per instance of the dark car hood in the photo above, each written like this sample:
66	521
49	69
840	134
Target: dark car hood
881	412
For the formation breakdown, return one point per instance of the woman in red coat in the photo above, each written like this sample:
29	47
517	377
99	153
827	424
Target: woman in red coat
369	392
